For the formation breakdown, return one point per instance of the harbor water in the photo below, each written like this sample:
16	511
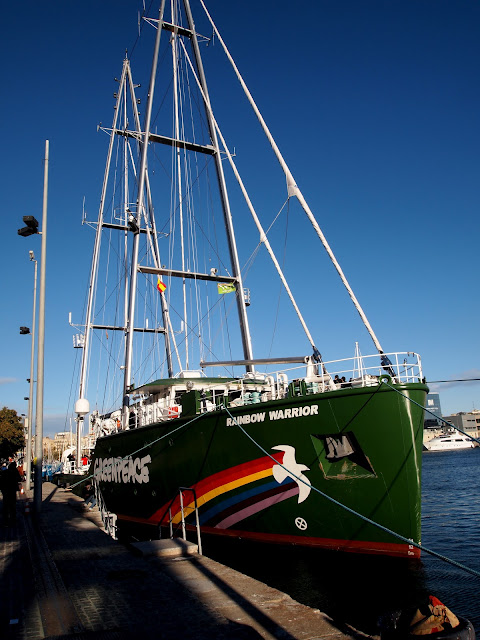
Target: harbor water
451	527
358	590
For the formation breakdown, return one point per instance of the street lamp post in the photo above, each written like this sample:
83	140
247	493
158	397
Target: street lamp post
30	229
37	493
30	395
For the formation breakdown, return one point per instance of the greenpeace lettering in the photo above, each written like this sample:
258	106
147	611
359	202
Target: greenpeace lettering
122	470
281	414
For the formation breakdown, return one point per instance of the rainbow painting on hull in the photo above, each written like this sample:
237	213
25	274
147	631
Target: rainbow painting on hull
262	491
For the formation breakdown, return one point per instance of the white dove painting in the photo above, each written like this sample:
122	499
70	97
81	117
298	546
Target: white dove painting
292	469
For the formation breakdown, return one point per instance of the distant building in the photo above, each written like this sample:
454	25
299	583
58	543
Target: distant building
65	438
432	424
467	422
433	405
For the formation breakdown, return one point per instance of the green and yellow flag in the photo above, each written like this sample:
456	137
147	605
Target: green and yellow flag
228	287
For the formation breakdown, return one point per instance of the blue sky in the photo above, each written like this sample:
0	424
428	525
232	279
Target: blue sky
375	106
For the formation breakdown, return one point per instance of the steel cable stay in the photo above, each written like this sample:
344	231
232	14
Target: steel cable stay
195	222
195	301
459	380
192	329
150	226
186	199
172	172
277	314
112	359
252	257
112	249
103	309
75	373
431	413
263	238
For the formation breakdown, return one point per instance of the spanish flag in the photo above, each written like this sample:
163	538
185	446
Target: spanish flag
160	286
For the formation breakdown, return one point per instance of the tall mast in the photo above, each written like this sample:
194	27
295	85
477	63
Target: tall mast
242	309
156	249
136	224
82	406
126	202
179	180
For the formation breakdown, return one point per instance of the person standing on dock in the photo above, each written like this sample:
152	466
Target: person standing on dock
10	482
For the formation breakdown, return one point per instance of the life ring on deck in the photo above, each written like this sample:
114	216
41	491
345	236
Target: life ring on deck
173	412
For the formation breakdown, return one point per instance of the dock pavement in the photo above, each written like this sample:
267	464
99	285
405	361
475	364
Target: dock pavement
63	576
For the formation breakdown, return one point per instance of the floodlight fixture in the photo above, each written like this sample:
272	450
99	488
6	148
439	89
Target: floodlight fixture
30	229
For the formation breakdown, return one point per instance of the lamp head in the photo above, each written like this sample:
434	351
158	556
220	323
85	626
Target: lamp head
32	255
30	229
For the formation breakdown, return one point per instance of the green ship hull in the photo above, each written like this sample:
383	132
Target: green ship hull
300	470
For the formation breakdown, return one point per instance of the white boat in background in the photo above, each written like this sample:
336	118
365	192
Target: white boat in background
450	441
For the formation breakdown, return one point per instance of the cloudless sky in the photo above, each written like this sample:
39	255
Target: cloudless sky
375	105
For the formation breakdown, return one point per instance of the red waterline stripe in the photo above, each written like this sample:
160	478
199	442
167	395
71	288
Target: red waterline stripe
352	546
400	550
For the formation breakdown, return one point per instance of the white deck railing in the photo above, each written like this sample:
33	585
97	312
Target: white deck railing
406	367
304	379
